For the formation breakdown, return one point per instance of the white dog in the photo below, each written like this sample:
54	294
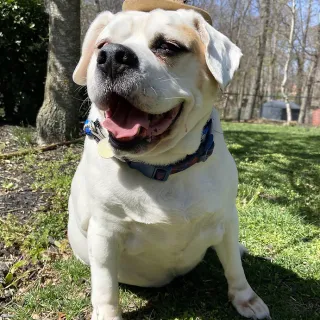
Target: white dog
152	78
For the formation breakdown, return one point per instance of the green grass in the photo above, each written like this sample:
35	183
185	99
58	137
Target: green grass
24	136
279	207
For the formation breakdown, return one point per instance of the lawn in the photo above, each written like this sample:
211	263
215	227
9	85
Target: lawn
279	207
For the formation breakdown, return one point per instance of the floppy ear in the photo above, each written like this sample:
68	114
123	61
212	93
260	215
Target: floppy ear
80	72
222	56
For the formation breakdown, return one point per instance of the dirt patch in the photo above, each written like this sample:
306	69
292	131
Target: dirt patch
16	194
17	197
20	198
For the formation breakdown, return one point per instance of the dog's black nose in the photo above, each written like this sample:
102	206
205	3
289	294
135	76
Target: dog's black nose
115	59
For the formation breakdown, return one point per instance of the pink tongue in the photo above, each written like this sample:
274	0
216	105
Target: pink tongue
126	121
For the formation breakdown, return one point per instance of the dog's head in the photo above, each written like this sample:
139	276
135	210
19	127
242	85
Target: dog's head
154	77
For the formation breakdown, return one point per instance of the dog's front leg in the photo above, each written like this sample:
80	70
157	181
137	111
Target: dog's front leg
244	299
103	245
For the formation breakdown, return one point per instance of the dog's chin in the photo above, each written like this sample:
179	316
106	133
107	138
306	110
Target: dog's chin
134	131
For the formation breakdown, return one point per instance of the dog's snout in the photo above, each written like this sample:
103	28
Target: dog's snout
114	59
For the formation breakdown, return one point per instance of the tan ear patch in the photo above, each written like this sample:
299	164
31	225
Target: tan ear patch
193	42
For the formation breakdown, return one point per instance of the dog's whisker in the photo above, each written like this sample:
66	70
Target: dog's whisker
171	98
170	79
154	91
80	88
76	98
86	100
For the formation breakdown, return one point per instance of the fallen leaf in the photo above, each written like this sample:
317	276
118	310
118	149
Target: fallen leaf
62	316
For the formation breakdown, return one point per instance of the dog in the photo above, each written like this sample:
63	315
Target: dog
152	78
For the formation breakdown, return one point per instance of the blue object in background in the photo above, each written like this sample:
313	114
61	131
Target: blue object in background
276	110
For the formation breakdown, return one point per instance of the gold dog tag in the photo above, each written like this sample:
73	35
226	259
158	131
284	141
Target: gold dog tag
104	149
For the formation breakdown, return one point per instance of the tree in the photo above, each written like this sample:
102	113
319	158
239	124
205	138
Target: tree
255	85
111	5
306	102
23	47
58	117
273	50
97	3
286	67
238	20
301	54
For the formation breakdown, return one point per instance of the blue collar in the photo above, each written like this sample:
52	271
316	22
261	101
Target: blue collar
161	173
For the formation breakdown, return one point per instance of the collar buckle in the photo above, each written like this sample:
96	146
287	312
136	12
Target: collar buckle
161	173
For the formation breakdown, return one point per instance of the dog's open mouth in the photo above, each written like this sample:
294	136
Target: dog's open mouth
128	125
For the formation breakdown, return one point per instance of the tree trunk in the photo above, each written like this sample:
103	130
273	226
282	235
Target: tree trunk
227	91
286	67
300	69
110	5
255	85
240	97
58	117
241	80
225	104
301	57
97	3
273	57
241	20
231	23
307	100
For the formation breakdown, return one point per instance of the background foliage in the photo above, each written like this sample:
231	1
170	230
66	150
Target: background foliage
23	46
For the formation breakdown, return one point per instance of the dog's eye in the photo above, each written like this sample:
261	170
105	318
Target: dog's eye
168	48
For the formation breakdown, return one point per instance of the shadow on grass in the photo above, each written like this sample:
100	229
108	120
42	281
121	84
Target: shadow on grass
287	167
289	163
203	293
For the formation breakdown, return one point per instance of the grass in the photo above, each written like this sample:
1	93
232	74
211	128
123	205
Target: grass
24	136
279	207
21	138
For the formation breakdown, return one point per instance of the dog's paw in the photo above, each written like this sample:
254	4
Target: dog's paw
248	304
104	314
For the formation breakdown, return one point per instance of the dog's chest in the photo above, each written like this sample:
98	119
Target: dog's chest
162	251
171	226
179	203
174	239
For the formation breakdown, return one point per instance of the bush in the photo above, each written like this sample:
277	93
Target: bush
23	46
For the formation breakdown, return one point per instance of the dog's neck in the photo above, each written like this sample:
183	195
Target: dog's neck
162	173
204	149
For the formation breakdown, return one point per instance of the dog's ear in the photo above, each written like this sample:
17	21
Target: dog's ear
222	56
100	22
